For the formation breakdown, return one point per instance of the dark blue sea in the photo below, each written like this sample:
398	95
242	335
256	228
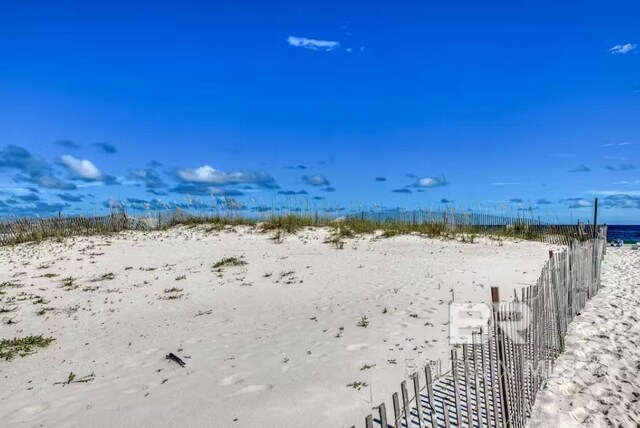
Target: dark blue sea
629	234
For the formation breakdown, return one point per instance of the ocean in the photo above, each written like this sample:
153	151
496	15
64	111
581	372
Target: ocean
629	234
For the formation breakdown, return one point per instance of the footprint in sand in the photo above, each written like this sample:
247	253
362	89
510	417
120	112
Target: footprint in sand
136	389
33	410
231	380
253	389
357	346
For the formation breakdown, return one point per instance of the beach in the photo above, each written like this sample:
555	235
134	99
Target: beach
596	382
289	332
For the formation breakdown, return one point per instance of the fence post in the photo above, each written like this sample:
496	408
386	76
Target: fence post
502	360
456	385
368	421
595	219
383	416
429	383
405	402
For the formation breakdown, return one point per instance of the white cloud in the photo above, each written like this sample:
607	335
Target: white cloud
627	183
615	192
623	49
576	202
204	174
624	143
208	175
316	180
431	182
313	44
82	168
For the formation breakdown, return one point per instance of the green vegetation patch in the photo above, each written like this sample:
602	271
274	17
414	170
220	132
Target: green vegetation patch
11	348
228	262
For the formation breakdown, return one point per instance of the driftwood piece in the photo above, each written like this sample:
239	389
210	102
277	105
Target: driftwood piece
173	357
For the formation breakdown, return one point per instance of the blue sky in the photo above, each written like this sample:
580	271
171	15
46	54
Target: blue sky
504	107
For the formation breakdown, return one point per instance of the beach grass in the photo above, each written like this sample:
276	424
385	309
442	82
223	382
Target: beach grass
11	348
280	224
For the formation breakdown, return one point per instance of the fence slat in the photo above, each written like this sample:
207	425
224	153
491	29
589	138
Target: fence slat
416	389
397	412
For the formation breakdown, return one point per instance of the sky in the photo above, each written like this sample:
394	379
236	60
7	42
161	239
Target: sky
514	108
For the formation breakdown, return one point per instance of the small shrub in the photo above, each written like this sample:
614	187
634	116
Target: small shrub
357	385
363	322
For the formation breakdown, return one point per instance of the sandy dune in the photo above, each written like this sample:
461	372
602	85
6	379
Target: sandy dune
596	382
273	342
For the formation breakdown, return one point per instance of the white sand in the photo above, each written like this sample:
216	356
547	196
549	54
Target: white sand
266	350
596	382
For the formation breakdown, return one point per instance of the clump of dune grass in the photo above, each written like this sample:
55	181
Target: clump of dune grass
335	239
172	293
69	283
363	322
227	262
214	222
11	348
468	238
10	284
357	385
109	276
289	223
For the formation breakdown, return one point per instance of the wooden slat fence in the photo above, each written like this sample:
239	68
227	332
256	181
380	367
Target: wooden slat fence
518	227
494	379
33	229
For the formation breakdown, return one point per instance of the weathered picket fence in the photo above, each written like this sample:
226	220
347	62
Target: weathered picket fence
495	376
518	227
32	229
19	230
